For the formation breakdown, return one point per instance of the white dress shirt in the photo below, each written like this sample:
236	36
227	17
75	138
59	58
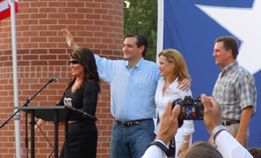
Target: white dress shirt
227	145
155	152
170	94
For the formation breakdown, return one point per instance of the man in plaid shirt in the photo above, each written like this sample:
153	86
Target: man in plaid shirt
235	89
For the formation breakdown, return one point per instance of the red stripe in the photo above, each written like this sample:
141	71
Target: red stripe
6	13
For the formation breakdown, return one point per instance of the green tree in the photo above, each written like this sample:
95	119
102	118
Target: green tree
140	16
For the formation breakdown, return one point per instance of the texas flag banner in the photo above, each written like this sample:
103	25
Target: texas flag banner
5	9
191	26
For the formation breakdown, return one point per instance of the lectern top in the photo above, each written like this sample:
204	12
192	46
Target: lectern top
39	107
47	113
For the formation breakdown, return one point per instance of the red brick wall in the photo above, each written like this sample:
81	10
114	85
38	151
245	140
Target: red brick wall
41	52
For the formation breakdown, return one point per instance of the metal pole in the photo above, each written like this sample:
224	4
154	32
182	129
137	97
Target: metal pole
15	81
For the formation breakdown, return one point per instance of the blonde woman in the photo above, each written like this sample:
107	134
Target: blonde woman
173	70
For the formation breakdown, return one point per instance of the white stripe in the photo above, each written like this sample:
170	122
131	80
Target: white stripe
160	28
3	5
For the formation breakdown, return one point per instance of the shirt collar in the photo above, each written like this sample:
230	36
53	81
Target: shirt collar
136	66
229	67
172	87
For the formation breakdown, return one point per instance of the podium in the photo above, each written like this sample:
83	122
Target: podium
47	113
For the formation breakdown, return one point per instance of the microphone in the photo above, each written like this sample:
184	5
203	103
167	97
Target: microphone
53	78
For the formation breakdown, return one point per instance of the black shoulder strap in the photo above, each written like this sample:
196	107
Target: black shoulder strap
161	146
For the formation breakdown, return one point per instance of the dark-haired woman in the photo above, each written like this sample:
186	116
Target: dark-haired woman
82	94
80	98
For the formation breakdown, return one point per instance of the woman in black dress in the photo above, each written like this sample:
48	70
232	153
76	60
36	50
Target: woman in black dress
81	94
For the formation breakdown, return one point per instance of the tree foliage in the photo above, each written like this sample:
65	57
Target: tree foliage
140	16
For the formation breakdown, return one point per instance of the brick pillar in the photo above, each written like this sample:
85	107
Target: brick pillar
41	52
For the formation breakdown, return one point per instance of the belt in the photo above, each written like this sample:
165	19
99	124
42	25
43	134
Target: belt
72	122
85	121
131	123
230	122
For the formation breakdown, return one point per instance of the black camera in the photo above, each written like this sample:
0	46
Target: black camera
191	109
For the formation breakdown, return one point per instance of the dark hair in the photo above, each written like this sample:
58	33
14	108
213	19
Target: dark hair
141	41
229	42
201	150
86	58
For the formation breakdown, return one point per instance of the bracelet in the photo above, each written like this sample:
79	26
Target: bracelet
185	141
217	130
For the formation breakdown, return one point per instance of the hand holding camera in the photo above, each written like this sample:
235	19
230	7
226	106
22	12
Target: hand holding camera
191	109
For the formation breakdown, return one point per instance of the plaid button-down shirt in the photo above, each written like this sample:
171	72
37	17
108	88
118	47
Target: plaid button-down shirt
235	90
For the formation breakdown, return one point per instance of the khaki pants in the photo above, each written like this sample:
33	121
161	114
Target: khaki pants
232	129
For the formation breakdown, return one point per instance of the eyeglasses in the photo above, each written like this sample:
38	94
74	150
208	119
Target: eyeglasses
74	62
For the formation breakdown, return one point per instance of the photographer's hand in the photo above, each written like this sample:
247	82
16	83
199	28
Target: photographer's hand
212	112
169	123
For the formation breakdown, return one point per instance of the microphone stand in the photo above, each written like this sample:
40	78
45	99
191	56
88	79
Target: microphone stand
28	100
